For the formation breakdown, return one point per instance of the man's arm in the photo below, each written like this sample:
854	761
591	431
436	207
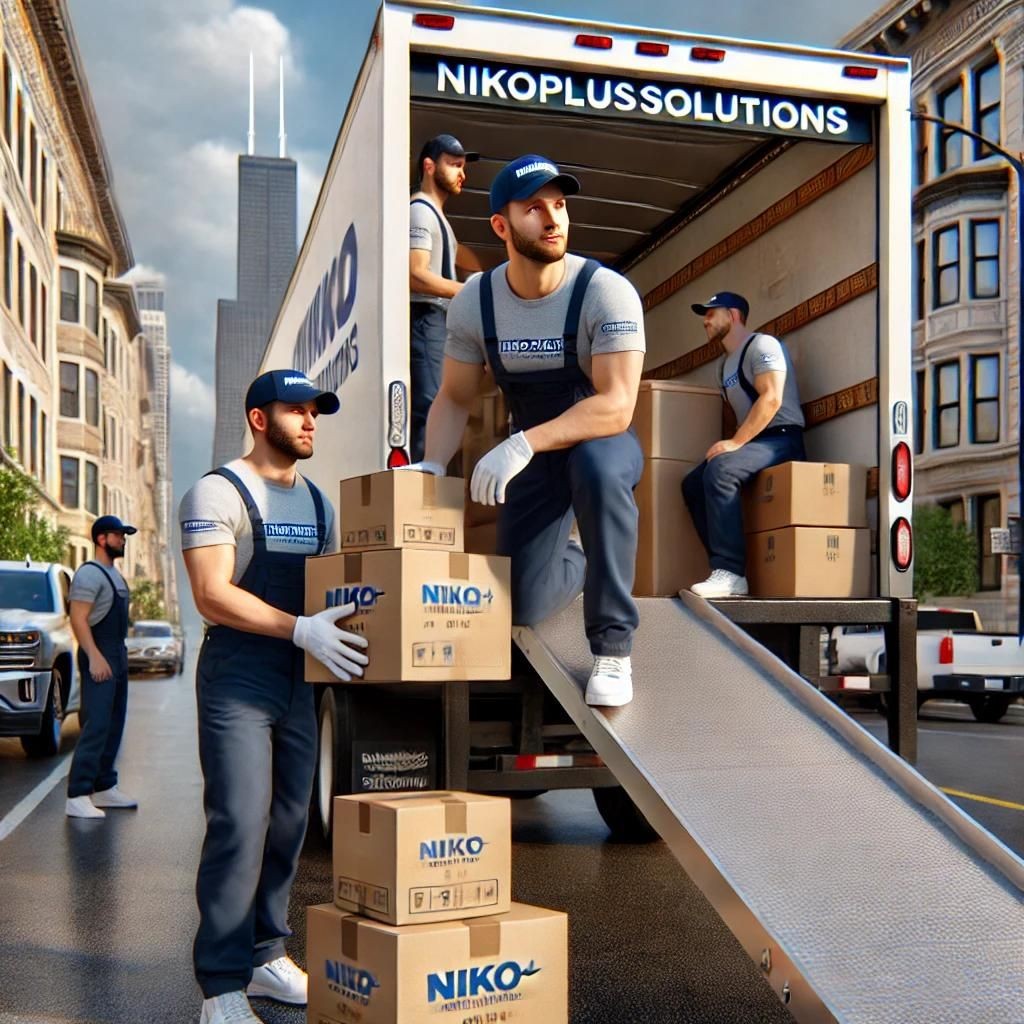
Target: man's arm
99	667
446	421
616	380
769	387
424	281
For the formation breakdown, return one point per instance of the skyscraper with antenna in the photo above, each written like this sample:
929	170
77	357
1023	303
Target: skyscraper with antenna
267	245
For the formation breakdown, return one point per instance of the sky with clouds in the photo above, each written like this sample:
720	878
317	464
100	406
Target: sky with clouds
170	85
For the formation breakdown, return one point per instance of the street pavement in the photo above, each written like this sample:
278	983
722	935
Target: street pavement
97	918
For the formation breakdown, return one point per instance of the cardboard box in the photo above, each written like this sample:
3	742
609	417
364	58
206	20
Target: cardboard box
809	561
429	616
404	509
806	494
414	858
488	426
677	421
511	968
482	540
669	553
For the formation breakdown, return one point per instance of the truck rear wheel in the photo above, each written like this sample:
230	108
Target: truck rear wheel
333	763
623	818
46	743
989	707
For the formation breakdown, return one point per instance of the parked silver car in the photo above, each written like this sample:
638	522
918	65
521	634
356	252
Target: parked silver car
154	646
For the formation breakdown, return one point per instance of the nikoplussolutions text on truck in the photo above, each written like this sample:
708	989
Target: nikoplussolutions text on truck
780	171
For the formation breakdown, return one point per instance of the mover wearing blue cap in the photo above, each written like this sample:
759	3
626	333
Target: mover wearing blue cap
564	338
246	531
759	385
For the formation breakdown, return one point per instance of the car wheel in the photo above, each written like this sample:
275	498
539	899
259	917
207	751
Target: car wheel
333	762
989	708
46	743
623	818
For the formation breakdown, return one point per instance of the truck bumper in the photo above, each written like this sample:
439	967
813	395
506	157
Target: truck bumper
968	683
22	701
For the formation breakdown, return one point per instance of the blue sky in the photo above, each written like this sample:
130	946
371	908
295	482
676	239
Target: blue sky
170	85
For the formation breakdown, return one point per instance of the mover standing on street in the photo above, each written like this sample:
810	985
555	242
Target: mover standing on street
759	384
246	530
99	618
432	279
564	338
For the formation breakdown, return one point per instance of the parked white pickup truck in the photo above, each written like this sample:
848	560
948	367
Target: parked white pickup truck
956	659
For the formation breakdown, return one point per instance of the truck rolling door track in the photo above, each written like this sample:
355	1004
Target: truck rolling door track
864	894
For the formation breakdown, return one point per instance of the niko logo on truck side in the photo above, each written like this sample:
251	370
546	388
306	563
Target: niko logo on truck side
474	981
363	596
353	983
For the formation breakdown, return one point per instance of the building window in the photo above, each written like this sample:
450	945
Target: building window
919	412
987	515
69	307
44	319
92	488
946	266
8	406
984	399
92	398
919	281
21	285
44	189
33	288
33	156
68	481
8	92
947	405
19	130
987	96
21	425
92	305
33	435
984	259
8	262
113	353
951	108
44	434
69	396
921	131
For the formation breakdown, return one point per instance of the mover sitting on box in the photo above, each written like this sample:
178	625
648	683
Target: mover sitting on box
564	338
759	384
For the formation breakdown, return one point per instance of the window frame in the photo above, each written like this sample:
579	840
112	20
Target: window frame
92	310
920	410
945	134
77	415
66	461
939	407
91	487
91	405
975	400
978	113
981	222
67	296
981	532
938	268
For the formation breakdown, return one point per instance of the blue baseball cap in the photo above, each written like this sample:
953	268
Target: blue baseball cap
289	386
723	300
524	176
445	143
110	524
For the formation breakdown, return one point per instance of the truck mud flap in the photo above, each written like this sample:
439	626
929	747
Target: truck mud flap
862	892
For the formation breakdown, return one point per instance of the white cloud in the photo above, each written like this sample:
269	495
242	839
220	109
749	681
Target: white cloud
192	398
143	272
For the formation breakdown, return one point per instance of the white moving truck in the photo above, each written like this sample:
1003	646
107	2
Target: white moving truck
781	172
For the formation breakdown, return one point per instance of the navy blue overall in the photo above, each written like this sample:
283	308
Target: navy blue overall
593	479
257	748
104	704
712	491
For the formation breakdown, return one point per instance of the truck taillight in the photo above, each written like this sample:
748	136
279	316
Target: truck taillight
397	458
652	49
856	71
594	42
946	651
441	22
902	544
902	471
706	53
398	414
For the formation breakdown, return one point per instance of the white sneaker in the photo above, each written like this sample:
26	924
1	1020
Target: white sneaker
282	979
230	1008
611	683
721	583
82	807
113	797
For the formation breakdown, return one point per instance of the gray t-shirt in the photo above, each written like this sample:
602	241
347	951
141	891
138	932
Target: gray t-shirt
530	330
764	354
425	233
213	512
90	583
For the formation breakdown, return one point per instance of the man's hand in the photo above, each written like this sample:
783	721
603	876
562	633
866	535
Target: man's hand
434	468
99	668
722	448
331	646
498	467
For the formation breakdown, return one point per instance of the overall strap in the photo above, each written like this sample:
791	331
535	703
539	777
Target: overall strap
106	572
321	519
572	317
447	267
259	537
487	309
748	389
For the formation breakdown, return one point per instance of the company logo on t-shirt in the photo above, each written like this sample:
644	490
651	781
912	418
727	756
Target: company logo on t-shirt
620	327
731	381
531	346
198	526
292	533
770	358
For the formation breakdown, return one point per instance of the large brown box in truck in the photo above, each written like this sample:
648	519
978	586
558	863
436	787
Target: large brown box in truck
486	429
429	616
806	494
669	553
413	858
677	421
809	561
401	509
513	967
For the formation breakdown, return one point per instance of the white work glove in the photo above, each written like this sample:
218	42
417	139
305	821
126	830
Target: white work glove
332	646
498	467
434	468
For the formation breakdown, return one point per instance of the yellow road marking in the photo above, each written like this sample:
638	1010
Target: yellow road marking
982	799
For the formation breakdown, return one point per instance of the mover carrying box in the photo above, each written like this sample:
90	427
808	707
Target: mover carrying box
429	616
806	494
669	554
677	421
809	561
510	968
401	509
414	858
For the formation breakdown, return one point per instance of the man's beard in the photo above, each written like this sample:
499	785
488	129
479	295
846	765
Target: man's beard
720	332
113	552
535	250
281	442
446	183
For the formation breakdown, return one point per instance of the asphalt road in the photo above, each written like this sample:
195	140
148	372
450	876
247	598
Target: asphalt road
96	918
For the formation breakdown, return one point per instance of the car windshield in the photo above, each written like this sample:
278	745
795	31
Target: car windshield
25	589
151	629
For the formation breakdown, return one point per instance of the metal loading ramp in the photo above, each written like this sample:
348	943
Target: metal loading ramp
864	894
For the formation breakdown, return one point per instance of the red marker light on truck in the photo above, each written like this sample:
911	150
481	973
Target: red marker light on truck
397	458
594	42
946	651
652	49
442	22
902	544
855	71
706	53
902	472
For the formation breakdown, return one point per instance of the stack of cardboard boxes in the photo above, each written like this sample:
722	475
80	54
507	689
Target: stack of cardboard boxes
423	923
807	535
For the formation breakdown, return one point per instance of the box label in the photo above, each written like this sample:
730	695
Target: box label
439	535
363	894
429	899
476	988
355	984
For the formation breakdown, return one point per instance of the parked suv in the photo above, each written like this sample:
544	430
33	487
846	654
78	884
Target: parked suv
153	645
38	675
